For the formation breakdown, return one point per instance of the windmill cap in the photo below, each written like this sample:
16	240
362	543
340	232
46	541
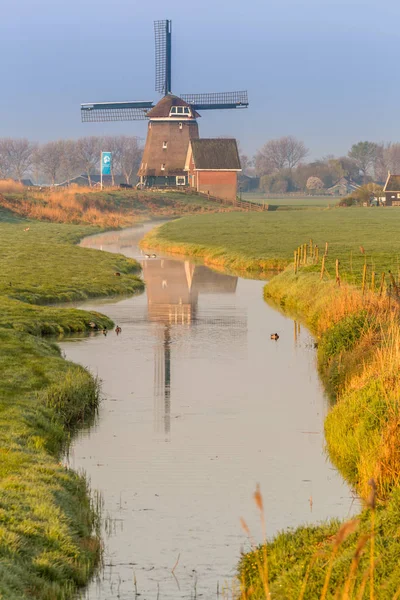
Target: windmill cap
163	107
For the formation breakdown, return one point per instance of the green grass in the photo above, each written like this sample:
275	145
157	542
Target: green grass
359	341
292	202
48	540
261	241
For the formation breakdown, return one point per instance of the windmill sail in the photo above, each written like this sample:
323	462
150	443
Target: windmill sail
217	100
114	111
162	32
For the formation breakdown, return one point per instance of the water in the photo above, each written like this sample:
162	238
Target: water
200	405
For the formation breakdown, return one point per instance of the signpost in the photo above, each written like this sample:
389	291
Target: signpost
105	166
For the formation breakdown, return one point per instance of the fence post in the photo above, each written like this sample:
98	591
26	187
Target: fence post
295	262
364	276
326	248
382	284
322	267
373	282
337	272
305	254
316	254
394	285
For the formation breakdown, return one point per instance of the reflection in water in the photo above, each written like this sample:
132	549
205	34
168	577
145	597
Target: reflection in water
173	289
195	366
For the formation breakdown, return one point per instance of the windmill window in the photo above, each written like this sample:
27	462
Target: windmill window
181	180
180	110
180	125
165	145
163	167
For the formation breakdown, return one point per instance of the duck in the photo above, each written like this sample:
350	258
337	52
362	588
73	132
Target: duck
117	274
274	336
147	256
118	330
105	331
92	325
154	256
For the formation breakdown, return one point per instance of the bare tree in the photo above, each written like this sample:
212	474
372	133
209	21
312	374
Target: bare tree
88	152
16	157
48	159
387	159
71	165
280	154
5	167
130	157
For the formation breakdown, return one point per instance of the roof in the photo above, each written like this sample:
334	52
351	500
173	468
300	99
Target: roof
392	183
163	107
216	154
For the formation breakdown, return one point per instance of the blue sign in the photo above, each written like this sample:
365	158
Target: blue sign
106	163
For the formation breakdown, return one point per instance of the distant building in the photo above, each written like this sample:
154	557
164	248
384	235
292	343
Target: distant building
213	166
343	187
392	190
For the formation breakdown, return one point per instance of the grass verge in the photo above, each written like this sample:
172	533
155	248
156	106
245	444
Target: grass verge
259	242
111	207
359	358
48	540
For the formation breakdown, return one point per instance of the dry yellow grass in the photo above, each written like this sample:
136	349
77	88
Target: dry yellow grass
63	205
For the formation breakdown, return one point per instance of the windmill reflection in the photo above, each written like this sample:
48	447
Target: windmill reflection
173	289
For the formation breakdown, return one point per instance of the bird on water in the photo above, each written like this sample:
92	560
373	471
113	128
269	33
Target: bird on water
274	336
118	330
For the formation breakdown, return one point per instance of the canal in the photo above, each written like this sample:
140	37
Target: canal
199	406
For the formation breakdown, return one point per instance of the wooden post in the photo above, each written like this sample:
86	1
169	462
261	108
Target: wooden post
373	282
305	254
393	281
316	254
364	277
326	248
382	284
301	253
322	267
295	262
351	261
337	272
311	247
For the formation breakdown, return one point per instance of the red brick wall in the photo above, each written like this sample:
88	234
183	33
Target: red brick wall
222	184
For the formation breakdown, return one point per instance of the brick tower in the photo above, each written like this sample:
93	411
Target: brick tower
172	124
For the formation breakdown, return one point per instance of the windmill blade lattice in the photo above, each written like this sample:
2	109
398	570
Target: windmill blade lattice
162	32
115	111
217	100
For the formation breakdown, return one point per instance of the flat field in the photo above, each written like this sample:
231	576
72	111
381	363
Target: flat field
48	545
292	202
258	241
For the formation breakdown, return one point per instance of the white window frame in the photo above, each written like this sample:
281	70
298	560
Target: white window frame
181	125
165	145
162	166
180	177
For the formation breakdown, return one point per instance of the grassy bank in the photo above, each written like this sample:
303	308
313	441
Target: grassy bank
359	359
257	242
111	208
48	542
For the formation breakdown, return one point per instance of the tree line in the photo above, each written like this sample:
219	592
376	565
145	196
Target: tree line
281	165
63	160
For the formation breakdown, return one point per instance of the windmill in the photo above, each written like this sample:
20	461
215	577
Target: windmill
172	120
